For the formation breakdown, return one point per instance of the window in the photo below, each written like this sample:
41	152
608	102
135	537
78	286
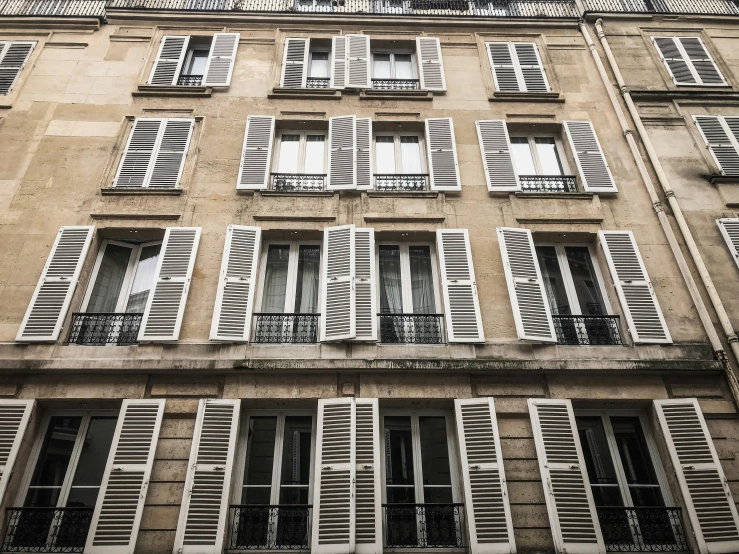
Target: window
537	155
13	56
399	162
517	67
300	161
688	61
319	65
393	65
721	135
196	59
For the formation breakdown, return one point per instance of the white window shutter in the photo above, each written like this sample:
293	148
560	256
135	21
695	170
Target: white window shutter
338	62
358	61
730	231
136	161
705	490
461	304
236	286
591	162
365	284
635	291
333	529
718	134
572	516
674	60
364	153
221	59
442	154
368	493
342	146
485	491
117	515
529	302
531	68
204	510
502	63
257	153
295	63
165	306
50	301
169	60
338	319
497	161
12	60
430	63
169	158
14	418
702	62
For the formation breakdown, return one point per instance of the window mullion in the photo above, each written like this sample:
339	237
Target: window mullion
405	279
564	267
623	483
277	462
417	469
301	151
398	152
73	460
535	155
292	272
127	283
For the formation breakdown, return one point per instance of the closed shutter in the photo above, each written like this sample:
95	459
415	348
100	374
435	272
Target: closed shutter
705	490
591	162
364	153
221	59
365	284
530	66
169	158
169	60
368	494
50	301
165	306
295	63
442	151
572	515
674	60
14	418
342	145
502	62
430	64
357	61
485	490
204	508
525	285
635	290
235	296
461	305
730	231
722	141
255	157
333	483
117	515
13	57
497	161
337	284
703	64
137	158
338	62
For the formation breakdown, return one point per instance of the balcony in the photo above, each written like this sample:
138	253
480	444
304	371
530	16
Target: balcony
642	529
263	527
298	182
46	529
424	525
286	328
54	8
587	330
190	80
715	7
98	329
411	328
317	82
396	84
402	183
548	184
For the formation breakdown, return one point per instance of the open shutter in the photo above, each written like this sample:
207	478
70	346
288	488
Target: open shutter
333	529
364	153
12	59
635	291
442	154
166	303
730	231
357	61
169	60
366	284
525	285
591	162
700	59
338	320
257	152
235	296
485	490
117	515
495	147
169	158
572	515
295	63
674	60
368	532
137	158
531	68
503	66
342	145
461	305
50	301
718	135
705	490
221	60
338	62
204	508
430	64
14	418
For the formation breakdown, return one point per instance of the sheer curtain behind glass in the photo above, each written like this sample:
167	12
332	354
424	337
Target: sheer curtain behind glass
275	279
143	279
107	288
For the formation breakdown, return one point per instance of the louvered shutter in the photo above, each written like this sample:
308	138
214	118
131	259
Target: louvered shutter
529	302
674	60
705	490
431	65
497	161
591	162
169	60
137	158
169	158
572	515
342	145
14	418
115	521
235	296
338	319
50	301
635	291
365	284
461	305
485	491
730	231
257	152
442	154
338	62
530	66
333	528
221	59
703	65
364	153
503	65
718	137
204	509
295	63
165	306
358	61
368	494
12	59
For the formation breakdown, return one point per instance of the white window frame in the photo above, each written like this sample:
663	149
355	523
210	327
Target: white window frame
405	273
393	52
531	137
189	53
301	149
312	51
398	151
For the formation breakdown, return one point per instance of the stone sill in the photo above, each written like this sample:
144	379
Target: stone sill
403	194
418	95
317	194
172	90
305	93
718	179
694	94
565	195
544	97
123	191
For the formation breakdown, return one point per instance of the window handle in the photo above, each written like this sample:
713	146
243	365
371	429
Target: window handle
688	467
327	467
475	467
368	466
165	278
574	466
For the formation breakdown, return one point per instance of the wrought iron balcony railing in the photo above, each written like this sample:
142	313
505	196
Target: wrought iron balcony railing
587	330
54	8
298	182
46	529
190	80
396	84
317	82
424	525
402	183
548	183
263	527
642	529
286	328
717	7
411	328
96	329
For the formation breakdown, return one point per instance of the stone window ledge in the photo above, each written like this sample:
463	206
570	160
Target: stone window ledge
316	194
718	179
172	90
565	195
305	93
139	191
418	95
403	194
542	97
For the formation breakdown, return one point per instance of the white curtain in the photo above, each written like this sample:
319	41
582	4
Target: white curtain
391	292
107	288
143	280
275	279
422	280
306	294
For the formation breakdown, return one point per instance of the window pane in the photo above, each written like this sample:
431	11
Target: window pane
636	461
296	458
275	279
399	453
319	65
143	279
422	280
586	285
391	293
314	154
306	289
546	149
553	280
381	66
95	450
601	471
403	66
434	451
522	158
410	153
259	459
289	153
385	155
196	63
109	280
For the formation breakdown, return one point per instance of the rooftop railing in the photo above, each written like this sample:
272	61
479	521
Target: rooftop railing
701	7
55	8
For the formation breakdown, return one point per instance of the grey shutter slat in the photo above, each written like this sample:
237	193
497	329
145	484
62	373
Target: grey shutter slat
358	61
502	64
364	153
529	302
532	70
257	152
442	154
717	137
705	490
169	158
635	291
572	516
368	529
14	418
137	158
204	510
53	294
730	231
430	63
365	284
338	319
674	61
295	63
591	162
342	146
497	161
701	60
12	63
169	60
221	60
338	62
